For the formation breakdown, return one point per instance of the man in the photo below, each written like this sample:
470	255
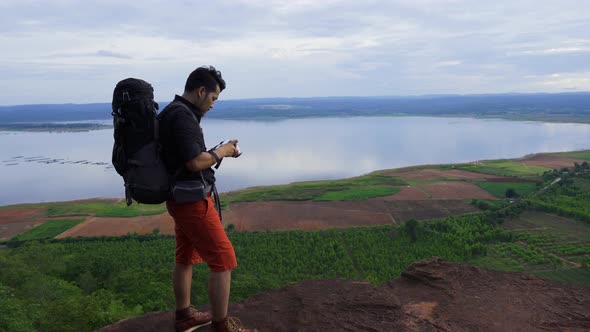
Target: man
199	232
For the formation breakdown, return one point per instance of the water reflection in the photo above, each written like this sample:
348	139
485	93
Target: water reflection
279	152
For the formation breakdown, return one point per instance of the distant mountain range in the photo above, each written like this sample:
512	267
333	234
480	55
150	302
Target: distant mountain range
573	106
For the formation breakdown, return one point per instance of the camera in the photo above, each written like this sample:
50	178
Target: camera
238	152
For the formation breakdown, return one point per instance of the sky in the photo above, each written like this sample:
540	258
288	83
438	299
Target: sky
76	51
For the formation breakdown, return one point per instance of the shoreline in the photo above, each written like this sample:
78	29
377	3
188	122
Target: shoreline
77	127
562	154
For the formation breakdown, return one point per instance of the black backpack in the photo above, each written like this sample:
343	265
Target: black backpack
137	151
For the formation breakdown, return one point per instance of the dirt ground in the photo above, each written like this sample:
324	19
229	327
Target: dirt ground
120	226
9	230
550	161
305	215
431	295
316	215
422	201
408	193
290	215
17	221
431	174
8	216
454	190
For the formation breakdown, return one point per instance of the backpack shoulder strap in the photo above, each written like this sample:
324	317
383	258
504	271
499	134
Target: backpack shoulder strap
197	121
186	109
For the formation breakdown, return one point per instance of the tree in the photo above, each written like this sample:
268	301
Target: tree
511	193
410	228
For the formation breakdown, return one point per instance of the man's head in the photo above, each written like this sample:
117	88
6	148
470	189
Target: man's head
203	87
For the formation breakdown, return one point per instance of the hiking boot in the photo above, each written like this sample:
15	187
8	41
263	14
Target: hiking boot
230	324
190	319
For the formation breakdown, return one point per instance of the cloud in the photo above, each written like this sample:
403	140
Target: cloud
566	81
271	48
110	54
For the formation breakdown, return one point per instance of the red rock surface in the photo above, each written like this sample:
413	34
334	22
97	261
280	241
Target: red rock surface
431	295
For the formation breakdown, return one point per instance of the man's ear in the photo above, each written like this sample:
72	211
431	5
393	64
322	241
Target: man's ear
201	92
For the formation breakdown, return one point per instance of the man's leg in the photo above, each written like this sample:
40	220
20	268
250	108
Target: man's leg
219	286
182	279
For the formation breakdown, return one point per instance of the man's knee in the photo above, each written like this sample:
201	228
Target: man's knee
223	261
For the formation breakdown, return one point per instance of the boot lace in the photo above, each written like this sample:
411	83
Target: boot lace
233	324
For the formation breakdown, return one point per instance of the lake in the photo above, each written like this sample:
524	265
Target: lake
40	167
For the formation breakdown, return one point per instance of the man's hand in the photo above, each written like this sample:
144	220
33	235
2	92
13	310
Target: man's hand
228	149
206	160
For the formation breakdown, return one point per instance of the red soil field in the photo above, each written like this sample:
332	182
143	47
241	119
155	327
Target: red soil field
304	215
407	193
292	215
431	200
120	226
431	174
16	221
9	230
455	190
20	215
550	161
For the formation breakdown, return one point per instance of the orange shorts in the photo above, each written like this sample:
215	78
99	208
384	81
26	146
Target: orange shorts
200	236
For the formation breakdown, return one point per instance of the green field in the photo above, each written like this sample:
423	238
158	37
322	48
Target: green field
48	229
580	276
566	199
372	185
503	168
80	284
498	189
544	243
96	207
83	284
534	221
104	209
357	194
583	184
585	154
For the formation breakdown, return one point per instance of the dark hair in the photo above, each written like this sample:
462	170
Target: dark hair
206	76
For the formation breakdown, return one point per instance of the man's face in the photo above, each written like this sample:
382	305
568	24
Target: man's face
206	100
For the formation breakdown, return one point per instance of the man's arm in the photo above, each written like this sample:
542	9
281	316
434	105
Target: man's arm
206	159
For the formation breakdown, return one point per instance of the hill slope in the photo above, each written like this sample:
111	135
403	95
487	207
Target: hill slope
431	295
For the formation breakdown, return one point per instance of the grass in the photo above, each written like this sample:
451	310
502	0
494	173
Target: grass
495	262
565	229
583	184
48	229
104	209
546	245
585	154
96	207
357	194
580	276
504	168
364	186
490	204
498	189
